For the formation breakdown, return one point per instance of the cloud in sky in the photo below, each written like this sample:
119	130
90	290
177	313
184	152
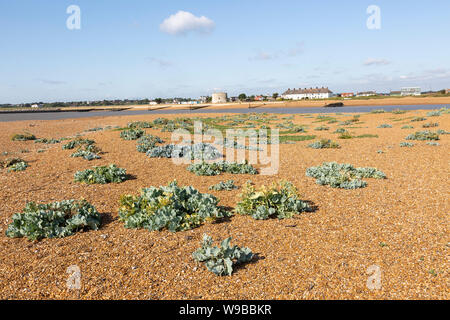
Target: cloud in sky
298	49
161	62
184	22
51	82
376	62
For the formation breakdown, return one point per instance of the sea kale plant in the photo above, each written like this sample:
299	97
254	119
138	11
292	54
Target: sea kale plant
47	141
220	260
200	151
132	134
53	220
101	175
147	142
139	124
77	143
423	135
169	207
384	125
224	185
324	144
87	152
281	201
343	176
406	144
14	164
23	137
216	168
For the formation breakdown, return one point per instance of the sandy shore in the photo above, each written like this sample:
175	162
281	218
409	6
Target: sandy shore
399	224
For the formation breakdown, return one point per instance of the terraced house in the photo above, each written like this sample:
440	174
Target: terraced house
311	93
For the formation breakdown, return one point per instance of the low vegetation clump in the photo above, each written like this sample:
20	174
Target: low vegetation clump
221	260
407	127
343	176
417	119
147	142
398	111
224	185
216	168
281	201
441	131
169	207
132	134
345	135
406	144
423	135
87	152
430	125
433	144
324	144
54	220
340	130
196	151
23	137
47	141
14	164
322	128
139	124
77	143
384	125
434	113
378	111
101	175
235	145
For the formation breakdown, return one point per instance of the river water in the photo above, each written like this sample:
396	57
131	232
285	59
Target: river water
75	114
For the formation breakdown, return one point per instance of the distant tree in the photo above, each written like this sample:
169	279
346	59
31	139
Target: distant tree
275	95
158	100
242	96
208	99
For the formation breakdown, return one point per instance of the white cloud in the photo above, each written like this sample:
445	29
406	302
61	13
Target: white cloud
161	62
376	62
183	22
264	56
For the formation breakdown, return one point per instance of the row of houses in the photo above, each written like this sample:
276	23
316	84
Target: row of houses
325	93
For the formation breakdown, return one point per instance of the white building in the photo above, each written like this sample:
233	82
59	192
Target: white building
219	97
411	91
311	93
366	94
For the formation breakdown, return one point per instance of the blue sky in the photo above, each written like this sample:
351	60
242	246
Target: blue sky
144	49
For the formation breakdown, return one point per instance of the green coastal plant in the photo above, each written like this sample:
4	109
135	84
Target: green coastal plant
47	141
101	175
343	176
324	144
147	142
87	152
423	135
224	185
77	143
139	124
53	220
132	134
406	144
14	164
216	168
169	207
430	125
279	200
23	137
220	260
384	125
416	119
203	151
